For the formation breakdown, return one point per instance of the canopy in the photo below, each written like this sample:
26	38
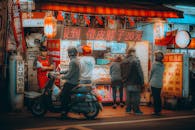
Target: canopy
121	8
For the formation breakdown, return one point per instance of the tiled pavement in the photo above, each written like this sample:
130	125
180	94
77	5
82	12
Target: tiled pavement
109	112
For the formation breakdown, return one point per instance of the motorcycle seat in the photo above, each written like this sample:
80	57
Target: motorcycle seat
81	89
86	85
31	94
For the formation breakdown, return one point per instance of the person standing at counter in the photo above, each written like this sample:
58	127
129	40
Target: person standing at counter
116	81
43	64
155	81
87	63
132	76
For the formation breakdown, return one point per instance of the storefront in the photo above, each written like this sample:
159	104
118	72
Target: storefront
108	28
178	43
104	51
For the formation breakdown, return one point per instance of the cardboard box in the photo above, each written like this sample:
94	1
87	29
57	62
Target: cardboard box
32	79
32	53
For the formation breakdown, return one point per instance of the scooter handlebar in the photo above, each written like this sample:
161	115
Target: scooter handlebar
52	74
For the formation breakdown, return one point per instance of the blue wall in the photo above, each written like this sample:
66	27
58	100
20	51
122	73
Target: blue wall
188	19
147	31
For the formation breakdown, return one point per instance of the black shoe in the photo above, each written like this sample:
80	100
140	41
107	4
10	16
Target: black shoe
138	112
63	116
114	106
156	114
122	104
128	110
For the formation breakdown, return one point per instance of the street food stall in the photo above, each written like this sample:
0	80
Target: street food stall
101	75
107	26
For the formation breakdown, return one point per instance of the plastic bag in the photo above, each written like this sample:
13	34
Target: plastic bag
55	93
56	90
39	65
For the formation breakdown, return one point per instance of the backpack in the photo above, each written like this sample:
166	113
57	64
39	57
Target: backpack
124	67
129	67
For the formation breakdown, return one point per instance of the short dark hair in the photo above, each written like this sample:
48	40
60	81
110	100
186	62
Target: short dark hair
72	51
130	50
159	55
118	59
43	48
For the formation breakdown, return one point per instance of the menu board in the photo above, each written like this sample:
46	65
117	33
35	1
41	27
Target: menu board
173	74
99	45
118	47
63	49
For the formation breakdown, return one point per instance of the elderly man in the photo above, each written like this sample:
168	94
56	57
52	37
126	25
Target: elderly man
132	76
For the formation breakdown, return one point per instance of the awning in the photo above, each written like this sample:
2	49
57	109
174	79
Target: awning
119	9
188	19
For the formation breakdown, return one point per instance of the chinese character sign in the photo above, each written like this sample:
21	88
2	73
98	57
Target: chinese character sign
173	74
77	33
20	76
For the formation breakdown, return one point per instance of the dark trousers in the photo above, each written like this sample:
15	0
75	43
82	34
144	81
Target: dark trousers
156	92
114	91
193	98
133	100
116	84
65	96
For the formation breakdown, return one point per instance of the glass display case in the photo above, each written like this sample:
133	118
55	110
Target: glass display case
101	74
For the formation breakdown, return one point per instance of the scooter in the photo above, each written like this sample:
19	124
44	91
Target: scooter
83	100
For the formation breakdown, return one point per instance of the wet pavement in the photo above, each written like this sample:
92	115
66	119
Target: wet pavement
25	120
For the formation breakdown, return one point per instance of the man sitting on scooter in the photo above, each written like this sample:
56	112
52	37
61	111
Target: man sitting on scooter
72	80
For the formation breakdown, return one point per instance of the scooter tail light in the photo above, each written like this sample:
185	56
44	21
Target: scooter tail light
99	98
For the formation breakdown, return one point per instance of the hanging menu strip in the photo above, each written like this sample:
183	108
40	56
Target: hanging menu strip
17	24
78	33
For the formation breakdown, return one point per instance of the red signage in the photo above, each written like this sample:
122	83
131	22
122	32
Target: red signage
173	74
54	50
17	25
77	33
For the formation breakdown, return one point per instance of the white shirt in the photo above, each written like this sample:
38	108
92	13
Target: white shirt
87	64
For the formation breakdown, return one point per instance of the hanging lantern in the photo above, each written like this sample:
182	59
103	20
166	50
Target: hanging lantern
87	19
99	20
50	25
110	20
60	16
131	21
74	18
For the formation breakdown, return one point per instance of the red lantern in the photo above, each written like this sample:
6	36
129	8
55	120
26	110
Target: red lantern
50	26
60	16
131	22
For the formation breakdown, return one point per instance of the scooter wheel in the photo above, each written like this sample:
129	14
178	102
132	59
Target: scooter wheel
37	108
92	115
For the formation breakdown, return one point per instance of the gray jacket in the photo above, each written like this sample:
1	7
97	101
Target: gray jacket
156	75
132	73
73	73
115	71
